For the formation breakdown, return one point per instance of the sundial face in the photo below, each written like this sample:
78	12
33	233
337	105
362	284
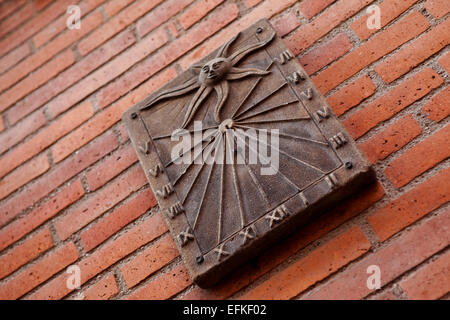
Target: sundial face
240	150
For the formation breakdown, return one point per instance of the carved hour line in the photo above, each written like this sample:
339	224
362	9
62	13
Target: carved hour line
235	183
286	135
287	155
273	121
256	181
267	110
192	162
219	233
251	90
193	147
206	185
259	101
270	163
187	131
195	178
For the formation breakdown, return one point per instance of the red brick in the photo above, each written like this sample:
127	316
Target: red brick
13	21
45	211
283	250
438	108
24	252
76	72
39	272
110	167
251	3
60	24
306	35
377	47
92	207
318	58
149	261
402	254
309	8
129	81
116	220
102	290
2	124
173	29
197	12
429	282
21	130
36	79
164	286
317	265
57	176
437	8
105	256
7	7
351	95
444	61
411	206
106	73
14	57
23	175
45	137
392	102
47	52
389	10
415	53
418	159
391	139
286	23
216	23
160	15
116	24
385	295
112	7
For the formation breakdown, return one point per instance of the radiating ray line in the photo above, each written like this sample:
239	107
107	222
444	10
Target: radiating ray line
255	180
235	183
260	100
276	169
192	162
267	110
193	147
288	155
188	131
219	233
273	120
286	135
251	90
195	179
206	185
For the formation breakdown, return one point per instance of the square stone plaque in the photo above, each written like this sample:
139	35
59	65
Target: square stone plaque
240	150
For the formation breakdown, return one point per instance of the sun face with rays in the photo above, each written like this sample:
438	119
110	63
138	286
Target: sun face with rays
213	75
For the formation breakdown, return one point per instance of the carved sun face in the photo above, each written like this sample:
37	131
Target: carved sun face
214	74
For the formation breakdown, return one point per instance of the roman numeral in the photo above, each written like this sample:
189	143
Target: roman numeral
155	171
165	191
175	210
296	77
277	215
331	180
338	140
285	56
308	94
322	113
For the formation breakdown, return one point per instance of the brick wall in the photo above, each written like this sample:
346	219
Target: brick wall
72	191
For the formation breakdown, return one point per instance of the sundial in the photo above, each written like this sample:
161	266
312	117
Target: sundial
240	150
